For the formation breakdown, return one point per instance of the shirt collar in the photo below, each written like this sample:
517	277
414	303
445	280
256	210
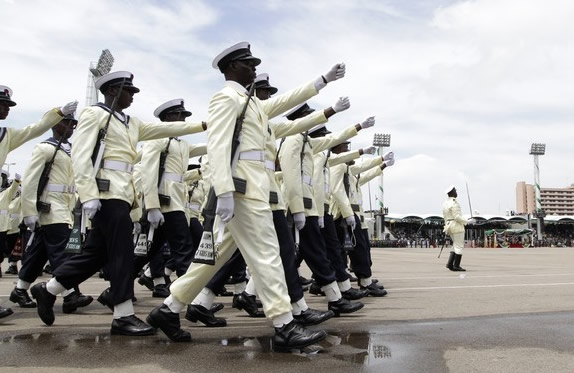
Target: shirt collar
236	86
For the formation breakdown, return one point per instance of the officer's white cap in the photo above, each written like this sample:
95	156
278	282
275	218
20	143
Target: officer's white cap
262	82
319	127
297	110
175	105
6	95
238	52
116	78
449	188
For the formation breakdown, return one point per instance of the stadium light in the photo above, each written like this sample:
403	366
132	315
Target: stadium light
381	140
535	150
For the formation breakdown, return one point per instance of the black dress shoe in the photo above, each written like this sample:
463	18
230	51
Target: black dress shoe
74	301
354	294
344	306
12	270
160	291
305	281
374	290
132	326
197	313
21	297
216	307
146	281
315	289
248	303
223	292
45	302
104	299
351	277
47	269
313	317
161	317
5	312
294	336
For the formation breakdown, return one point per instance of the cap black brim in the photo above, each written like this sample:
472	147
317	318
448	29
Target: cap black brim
8	102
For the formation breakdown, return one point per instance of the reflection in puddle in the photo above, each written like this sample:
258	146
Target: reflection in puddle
368	350
365	349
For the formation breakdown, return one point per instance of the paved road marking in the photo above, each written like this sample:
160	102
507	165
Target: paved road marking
392	290
469	275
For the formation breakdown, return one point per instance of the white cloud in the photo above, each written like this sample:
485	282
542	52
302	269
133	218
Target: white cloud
464	87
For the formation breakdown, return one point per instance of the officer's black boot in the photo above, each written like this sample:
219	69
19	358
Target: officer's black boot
456	266
450	261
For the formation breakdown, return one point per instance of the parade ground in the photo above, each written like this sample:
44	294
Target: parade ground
512	311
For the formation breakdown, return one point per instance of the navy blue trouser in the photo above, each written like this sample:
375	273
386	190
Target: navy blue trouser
360	256
334	248
48	243
108	244
175	232
314	252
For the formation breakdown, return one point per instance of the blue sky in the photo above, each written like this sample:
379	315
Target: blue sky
463	87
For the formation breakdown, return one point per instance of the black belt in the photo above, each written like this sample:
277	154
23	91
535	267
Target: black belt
273	197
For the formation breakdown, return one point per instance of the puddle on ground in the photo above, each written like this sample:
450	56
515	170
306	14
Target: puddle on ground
363	349
367	349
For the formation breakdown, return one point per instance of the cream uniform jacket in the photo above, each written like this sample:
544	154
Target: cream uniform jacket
282	130
453	220
224	108
15	216
196	193
176	162
11	138
6	196
321	178
298	175
341	202
61	175
362	179
121	141
136	212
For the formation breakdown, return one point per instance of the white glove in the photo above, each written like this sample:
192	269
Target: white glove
350	220
369	122
31	221
389	163
69	108
155	217
137	227
388	156
299	220
336	72
471	221
17	177
321	222
342	104
225	206
91	207
369	150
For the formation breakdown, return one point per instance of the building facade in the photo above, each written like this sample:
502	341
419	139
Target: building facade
555	201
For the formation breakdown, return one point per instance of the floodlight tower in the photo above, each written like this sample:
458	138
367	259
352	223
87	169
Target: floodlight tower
538	149
381	141
103	67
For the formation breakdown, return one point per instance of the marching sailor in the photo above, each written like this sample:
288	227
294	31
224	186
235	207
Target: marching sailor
107	192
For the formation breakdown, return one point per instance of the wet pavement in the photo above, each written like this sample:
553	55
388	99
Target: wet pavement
512	311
